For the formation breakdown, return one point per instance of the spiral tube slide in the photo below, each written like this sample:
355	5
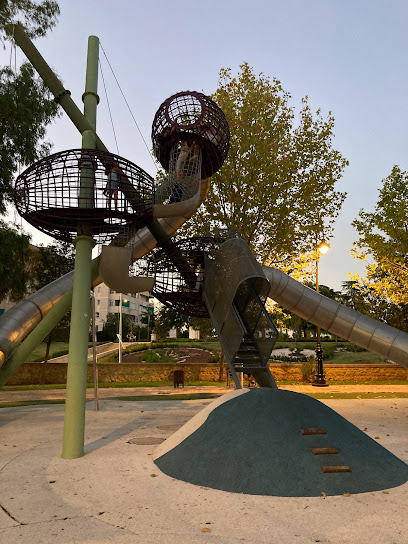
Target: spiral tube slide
339	320
22	318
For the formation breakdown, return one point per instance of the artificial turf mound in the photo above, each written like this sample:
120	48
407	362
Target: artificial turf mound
250	441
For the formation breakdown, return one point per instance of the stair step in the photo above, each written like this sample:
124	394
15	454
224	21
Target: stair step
248	368
313	430
335	469
324	451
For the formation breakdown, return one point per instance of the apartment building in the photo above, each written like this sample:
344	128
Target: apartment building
107	302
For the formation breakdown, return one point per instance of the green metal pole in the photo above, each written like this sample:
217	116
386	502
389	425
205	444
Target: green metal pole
62	96
74	422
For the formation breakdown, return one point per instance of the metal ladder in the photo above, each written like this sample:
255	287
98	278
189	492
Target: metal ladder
254	351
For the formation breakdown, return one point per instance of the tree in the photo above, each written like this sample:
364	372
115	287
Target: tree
15	259
26	105
383	240
204	325
36	18
26	108
50	263
276	188
365	299
111	327
167	318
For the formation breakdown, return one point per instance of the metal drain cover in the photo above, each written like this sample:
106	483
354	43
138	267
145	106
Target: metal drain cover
146	440
169	427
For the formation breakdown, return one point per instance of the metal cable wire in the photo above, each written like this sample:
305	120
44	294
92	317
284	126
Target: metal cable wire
131	113
110	113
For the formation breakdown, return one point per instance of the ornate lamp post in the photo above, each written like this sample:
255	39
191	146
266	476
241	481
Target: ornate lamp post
319	379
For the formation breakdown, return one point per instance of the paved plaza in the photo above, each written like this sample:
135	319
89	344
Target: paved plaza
116	494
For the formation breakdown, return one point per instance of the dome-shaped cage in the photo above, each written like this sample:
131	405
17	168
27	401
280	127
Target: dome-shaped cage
85	191
196	119
180	273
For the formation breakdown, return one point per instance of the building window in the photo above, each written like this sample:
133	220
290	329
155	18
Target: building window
116	302
111	303
97	314
111	292
98	302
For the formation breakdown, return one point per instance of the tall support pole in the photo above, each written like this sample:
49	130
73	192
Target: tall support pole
120	328
319	379
74	422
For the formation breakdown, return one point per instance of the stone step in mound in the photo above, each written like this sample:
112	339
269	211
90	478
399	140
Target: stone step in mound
253	441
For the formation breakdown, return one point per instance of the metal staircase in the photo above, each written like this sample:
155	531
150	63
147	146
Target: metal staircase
235	291
259	336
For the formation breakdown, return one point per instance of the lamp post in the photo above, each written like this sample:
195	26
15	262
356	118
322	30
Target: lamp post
121	303
319	379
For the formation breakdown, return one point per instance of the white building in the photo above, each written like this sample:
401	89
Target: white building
107	302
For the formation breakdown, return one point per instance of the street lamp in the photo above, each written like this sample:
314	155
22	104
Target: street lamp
319	379
121	302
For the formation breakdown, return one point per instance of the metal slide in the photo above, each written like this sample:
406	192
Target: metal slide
22	318
331	316
344	322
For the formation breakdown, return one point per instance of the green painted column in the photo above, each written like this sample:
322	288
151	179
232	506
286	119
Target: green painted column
74	422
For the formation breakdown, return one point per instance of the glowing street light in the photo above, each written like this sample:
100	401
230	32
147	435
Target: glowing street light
319	379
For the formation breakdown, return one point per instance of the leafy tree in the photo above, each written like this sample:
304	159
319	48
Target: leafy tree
366	300
277	186
15	258
36	17
26	108
111	327
204	325
383	240
50	263
167	318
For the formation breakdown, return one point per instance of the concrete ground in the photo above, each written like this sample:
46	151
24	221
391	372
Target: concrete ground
116	494
54	394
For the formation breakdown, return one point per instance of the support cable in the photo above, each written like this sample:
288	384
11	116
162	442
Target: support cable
110	113
127	104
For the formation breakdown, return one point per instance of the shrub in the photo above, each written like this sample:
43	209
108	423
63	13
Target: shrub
307	369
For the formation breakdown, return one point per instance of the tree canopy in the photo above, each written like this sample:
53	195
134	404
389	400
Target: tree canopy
383	240
36	17
26	105
15	259
26	108
277	186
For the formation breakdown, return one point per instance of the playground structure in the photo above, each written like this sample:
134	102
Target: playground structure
69	195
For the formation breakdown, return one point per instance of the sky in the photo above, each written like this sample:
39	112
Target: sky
348	57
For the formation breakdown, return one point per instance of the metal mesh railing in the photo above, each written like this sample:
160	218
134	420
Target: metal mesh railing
195	118
184	175
84	189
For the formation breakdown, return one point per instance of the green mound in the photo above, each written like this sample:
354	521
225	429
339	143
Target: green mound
253	444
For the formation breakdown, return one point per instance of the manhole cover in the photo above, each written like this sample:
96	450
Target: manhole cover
169	427
146	440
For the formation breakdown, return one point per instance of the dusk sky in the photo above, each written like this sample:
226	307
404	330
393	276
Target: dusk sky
349	57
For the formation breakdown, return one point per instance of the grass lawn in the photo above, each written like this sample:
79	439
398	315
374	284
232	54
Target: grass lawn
356	357
56	347
198	396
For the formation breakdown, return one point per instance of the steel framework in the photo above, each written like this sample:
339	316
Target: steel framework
70	190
